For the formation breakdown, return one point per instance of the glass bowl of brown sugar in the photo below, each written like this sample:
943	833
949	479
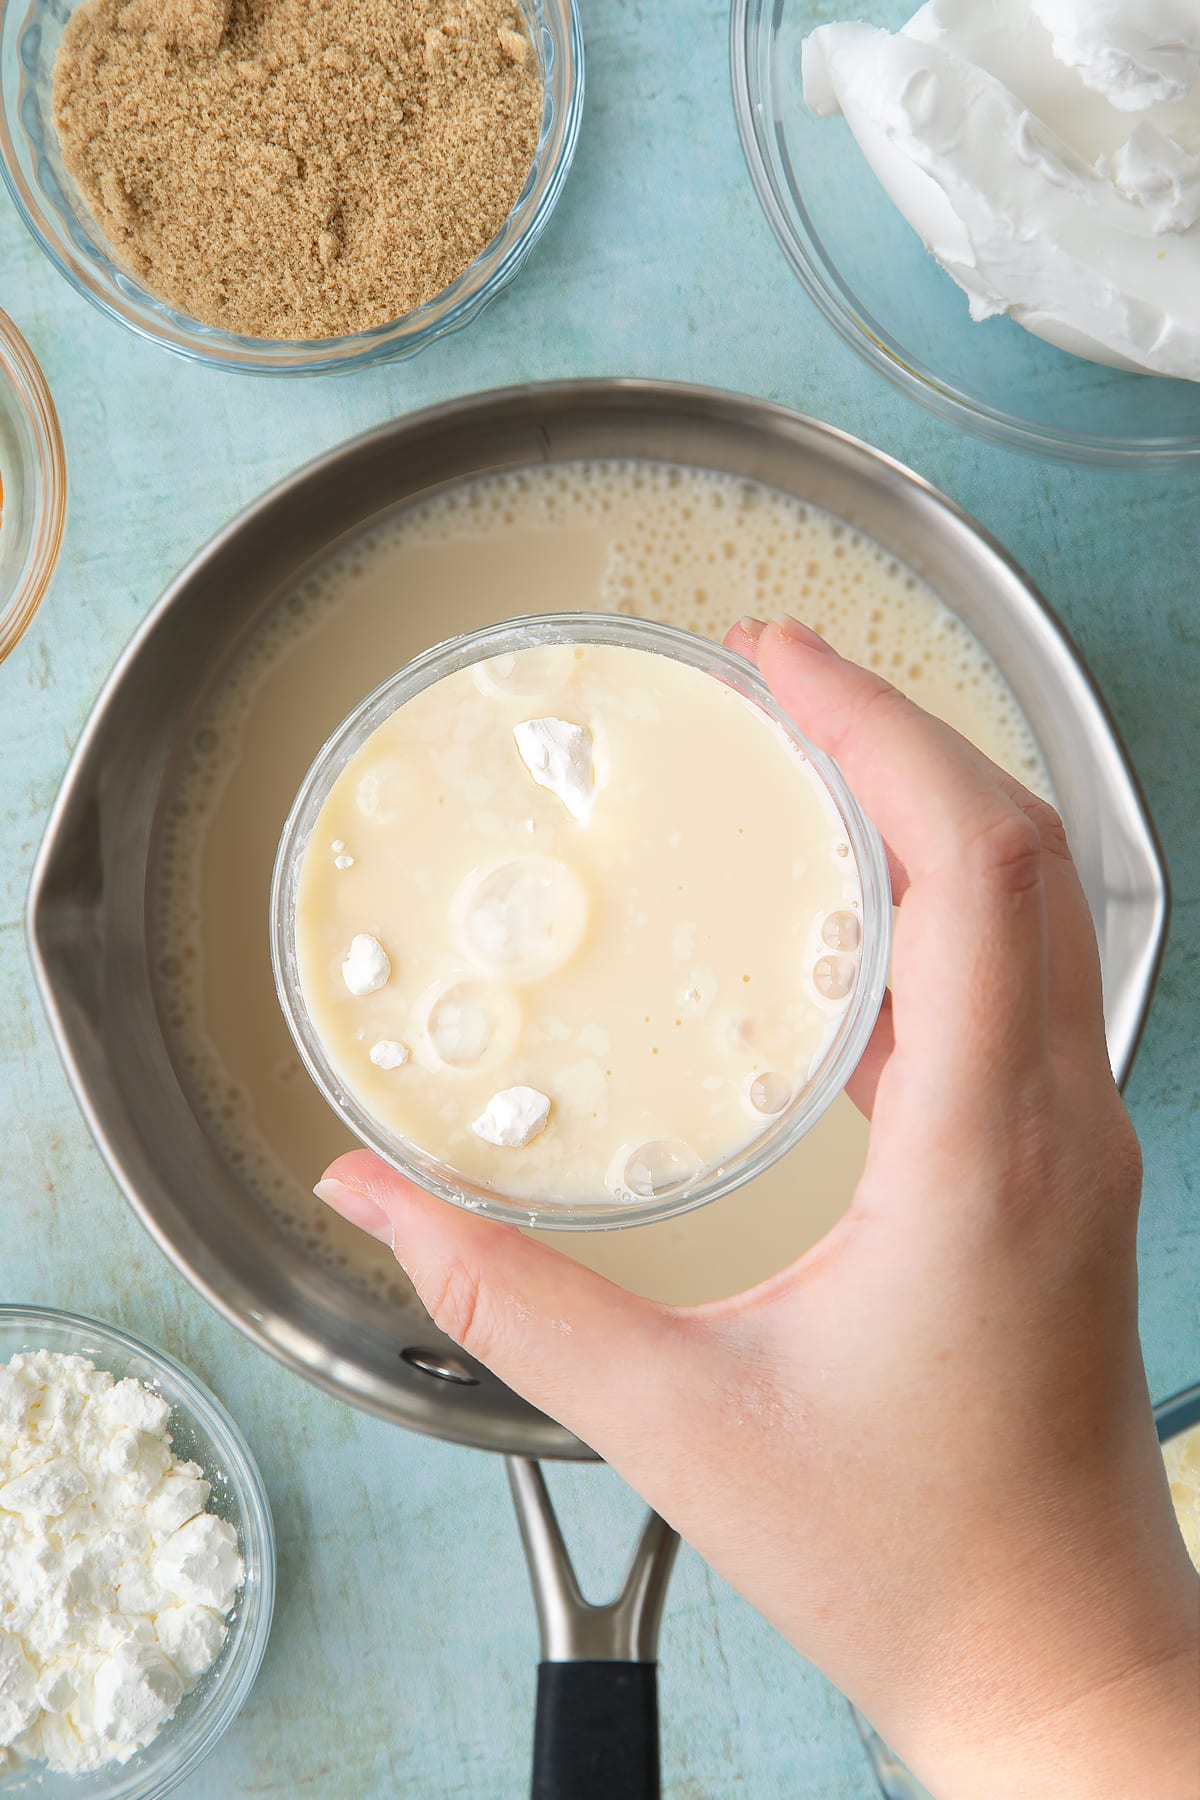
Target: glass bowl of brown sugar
314	203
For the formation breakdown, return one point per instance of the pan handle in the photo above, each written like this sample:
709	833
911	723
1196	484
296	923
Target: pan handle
596	1731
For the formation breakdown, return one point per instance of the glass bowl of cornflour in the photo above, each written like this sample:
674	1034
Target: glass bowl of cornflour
89	255
572	926
200	1432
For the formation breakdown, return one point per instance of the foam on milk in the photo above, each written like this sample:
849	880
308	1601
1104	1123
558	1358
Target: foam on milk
689	547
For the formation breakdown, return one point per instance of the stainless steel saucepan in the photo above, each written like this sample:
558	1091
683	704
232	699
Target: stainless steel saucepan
597	1733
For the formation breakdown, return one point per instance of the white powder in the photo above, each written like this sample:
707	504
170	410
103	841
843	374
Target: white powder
558	754
367	967
513	1118
115	1584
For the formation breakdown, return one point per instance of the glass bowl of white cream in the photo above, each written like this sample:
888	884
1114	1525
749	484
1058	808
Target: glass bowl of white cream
922	126
572	927
202	1432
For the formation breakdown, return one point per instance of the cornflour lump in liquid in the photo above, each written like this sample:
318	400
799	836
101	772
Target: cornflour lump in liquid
689	547
609	906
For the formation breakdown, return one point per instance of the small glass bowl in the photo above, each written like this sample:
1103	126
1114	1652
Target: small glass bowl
1172	1416
46	198
1178	1413
872	278
854	1027
203	1431
33	485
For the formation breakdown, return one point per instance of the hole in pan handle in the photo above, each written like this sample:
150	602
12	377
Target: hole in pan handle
596	1731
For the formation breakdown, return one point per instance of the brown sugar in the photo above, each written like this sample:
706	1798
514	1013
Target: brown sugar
297	168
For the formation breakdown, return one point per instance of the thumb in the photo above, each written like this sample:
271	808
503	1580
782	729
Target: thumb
601	1361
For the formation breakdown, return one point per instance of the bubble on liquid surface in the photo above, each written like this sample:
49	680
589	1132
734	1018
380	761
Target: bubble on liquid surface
383	791
525	674
842	931
470	1023
834	976
521	919
770	1092
659	1167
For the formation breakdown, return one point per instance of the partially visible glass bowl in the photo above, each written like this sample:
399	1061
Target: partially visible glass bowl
203	1431
33	485
46	198
1179	1413
876	284
1172	1416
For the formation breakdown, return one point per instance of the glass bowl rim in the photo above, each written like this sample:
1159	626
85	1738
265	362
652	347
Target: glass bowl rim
219	1708
30	390
854	1025
1178	1412
825	287
453	307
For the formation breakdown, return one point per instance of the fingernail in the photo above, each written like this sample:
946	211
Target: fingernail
357	1209
752	628
799	634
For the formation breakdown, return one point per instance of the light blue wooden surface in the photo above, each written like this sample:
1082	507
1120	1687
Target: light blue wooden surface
403	1655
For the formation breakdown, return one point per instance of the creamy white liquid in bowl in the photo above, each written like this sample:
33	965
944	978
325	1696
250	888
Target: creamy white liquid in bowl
576	921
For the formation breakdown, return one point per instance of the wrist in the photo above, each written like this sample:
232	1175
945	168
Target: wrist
1062	1662
1133	1737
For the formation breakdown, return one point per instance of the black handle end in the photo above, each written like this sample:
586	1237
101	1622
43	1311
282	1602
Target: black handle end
596	1735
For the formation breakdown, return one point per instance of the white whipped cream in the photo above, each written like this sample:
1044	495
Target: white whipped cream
367	967
114	1581
558	754
1157	173
513	1118
1009	149
389	1053
1136	55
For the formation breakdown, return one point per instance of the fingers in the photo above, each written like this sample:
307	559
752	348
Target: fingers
578	1347
971	944
945	810
743	641
874	1059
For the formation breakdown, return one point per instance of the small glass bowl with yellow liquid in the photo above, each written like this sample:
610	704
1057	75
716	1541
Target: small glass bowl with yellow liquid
572	926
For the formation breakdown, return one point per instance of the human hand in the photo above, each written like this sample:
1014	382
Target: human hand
924	1451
